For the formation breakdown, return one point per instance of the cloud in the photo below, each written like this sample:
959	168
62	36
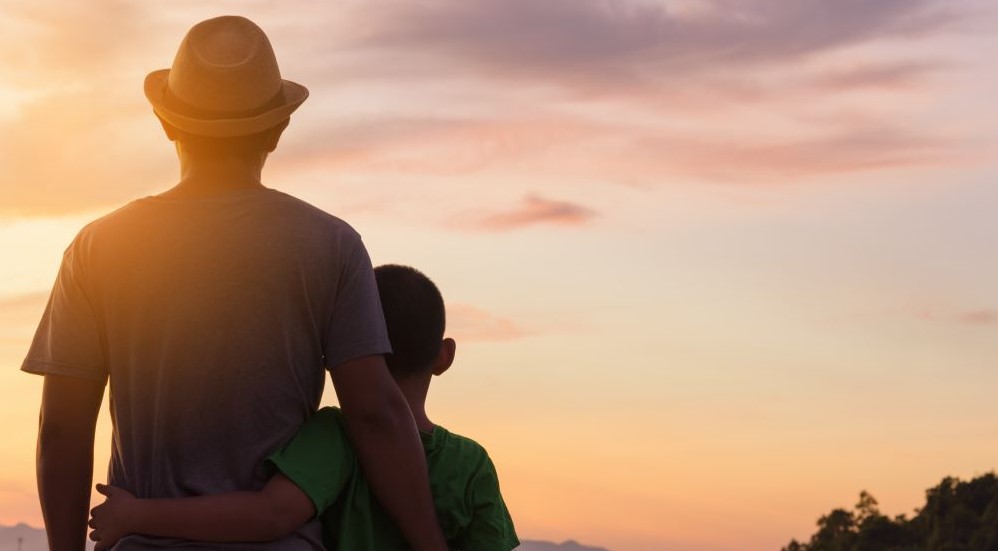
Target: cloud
19	316
980	317
77	151
622	43
16	303
71	43
884	75
854	149
469	323
550	90
82	137
532	210
430	145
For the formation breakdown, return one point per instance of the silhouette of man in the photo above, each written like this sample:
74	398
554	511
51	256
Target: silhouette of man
211	309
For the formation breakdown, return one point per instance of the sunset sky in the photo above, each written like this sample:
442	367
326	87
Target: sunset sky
714	266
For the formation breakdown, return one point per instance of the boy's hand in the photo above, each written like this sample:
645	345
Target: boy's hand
110	521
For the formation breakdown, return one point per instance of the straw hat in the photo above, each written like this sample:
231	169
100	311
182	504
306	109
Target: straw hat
224	82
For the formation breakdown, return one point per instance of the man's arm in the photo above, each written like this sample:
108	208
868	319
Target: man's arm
274	512
490	527
383	433
65	457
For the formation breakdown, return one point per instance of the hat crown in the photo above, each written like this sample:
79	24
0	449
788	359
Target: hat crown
225	64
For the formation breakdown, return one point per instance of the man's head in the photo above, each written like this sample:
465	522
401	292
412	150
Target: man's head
248	147
414	314
224	93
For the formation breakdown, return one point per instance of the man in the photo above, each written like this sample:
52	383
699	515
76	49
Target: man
211	311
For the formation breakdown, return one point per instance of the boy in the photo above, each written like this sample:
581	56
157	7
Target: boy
317	472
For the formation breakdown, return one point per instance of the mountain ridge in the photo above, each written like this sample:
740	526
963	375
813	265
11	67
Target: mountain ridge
33	539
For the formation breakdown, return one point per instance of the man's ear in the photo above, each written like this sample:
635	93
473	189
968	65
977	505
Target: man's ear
275	135
171	132
445	357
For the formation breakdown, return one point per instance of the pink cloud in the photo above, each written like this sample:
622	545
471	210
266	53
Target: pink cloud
469	323
532	210
888	76
855	149
979	317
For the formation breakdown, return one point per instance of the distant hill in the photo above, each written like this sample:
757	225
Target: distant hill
530	545
33	539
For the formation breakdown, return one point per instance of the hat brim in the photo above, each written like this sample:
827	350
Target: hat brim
155	89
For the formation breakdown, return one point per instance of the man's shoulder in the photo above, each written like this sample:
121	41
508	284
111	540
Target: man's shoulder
305	209
268	203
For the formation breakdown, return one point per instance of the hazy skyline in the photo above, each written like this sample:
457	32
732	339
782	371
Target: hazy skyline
713	266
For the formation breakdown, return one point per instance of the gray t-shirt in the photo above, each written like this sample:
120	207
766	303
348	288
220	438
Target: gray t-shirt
213	319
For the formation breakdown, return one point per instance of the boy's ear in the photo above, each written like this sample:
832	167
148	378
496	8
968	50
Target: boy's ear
446	356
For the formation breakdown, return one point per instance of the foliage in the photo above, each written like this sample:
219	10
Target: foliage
957	516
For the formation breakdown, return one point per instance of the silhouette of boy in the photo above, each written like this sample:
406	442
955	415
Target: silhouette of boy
317	472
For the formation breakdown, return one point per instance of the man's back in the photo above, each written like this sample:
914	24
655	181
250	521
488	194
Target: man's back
213	318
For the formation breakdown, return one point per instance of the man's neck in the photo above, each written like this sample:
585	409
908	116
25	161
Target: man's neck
205	177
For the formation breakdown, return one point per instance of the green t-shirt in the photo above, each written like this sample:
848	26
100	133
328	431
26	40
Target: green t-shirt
463	480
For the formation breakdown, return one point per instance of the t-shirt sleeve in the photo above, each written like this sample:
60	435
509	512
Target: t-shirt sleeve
319	459
68	340
357	324
491	528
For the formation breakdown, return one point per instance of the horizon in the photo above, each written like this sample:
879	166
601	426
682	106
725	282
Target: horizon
713	268
526	545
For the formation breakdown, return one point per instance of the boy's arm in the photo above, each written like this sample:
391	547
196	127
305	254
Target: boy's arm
65	457
272	513
384	435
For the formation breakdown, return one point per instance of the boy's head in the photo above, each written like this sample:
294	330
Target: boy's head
414	315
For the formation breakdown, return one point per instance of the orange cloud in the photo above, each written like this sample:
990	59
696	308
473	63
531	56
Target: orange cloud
19	315
469	323
77	151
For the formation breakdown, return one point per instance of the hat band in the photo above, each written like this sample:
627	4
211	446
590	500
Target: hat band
181	107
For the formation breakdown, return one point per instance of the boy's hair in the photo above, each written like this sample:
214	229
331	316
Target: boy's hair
414	314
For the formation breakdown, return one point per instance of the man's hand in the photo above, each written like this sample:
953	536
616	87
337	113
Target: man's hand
110	521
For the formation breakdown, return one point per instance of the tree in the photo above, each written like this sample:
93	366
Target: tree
957	516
